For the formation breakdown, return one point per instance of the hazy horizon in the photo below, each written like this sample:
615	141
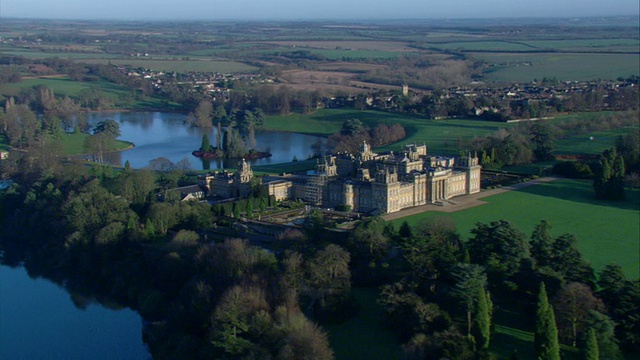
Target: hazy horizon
309	10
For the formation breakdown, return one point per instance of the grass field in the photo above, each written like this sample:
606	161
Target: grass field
510	67
73	144
606	231
364	336
590	143
505	46
64	86
441	136
290	167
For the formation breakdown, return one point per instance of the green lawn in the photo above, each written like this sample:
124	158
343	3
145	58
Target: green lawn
607	232
441	136
289	167
364	336
73	144
64	86
590	143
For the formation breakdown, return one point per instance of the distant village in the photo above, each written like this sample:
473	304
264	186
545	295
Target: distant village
498	102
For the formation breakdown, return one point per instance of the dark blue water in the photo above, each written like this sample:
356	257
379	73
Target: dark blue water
38	320
157	134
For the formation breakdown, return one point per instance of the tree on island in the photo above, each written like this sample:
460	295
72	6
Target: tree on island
206	144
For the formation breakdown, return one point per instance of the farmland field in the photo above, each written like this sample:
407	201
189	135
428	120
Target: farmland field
525	67
221	66
606	231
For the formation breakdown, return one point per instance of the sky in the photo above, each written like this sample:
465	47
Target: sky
311	9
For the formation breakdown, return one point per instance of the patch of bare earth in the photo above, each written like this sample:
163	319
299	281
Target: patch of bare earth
328	80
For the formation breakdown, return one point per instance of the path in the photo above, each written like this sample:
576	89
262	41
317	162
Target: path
464	202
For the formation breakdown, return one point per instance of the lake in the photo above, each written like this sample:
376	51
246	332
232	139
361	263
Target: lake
38	320
157	134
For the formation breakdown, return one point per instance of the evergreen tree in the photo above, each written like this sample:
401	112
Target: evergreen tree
541	243
608	180
482	323
591	347
206	144
249	208
546	342
405	230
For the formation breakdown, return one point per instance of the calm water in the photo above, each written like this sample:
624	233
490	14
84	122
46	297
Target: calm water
38	320
166	135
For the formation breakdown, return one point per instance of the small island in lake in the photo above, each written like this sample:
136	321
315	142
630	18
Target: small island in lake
231	148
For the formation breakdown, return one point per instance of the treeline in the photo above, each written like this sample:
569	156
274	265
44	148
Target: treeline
441	295
108	234
425	72
535	141
353	134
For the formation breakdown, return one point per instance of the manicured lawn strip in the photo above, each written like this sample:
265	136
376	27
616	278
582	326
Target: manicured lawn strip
364	336
607	232
288	168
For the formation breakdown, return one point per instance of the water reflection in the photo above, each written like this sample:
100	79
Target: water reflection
40	320
167	135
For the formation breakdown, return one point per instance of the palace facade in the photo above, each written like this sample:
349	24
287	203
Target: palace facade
365	182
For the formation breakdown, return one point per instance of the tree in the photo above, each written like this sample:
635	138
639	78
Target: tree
546	334
470	280
203	114
622	299
608	180
500	247
352	127
482	322
628	147
162	216
572	305
541	244
206	144
591	347
369	237
329	273
565	258
109	127
543	138
603	327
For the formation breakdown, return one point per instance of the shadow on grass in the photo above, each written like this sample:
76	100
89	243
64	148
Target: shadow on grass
364	336
582	191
